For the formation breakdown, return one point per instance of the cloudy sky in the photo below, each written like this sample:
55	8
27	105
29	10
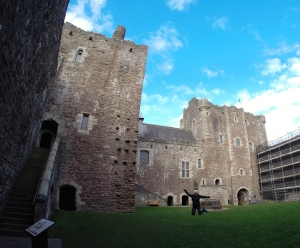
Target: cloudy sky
233	52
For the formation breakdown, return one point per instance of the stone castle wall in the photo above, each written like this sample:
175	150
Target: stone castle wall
30	33
227	169
100	80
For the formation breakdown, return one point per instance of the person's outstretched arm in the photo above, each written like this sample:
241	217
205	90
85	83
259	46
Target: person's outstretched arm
203	196
187	193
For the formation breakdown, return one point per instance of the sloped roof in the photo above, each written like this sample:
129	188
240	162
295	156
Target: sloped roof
164	133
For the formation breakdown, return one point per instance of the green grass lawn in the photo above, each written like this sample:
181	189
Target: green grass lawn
260	225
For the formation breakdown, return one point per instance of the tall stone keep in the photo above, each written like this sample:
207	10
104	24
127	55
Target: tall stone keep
96	104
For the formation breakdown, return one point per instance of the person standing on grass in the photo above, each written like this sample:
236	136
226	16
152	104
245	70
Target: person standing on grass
196	202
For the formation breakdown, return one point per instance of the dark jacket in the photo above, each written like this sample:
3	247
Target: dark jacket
196	198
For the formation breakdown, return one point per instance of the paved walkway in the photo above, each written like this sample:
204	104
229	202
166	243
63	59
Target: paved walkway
15	242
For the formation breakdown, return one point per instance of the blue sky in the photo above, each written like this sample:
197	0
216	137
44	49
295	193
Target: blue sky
223	50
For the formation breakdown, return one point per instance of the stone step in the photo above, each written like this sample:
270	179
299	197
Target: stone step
24	210
16	200
16	227
19	204
25	188
14	233
18	212
6	220
25	216
22	196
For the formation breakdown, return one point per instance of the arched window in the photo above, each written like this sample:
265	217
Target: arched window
242	172
78	55
217	182
237	142
250	146
144	157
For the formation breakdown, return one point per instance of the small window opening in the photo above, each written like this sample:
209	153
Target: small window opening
144	157
217	182
238	142
79	55
221	139
85	120
250	146
241	172
185	169
199	163
203	182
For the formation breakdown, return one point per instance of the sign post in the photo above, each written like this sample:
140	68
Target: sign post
38	232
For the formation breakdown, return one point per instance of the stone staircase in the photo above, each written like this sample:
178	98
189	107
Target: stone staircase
19	209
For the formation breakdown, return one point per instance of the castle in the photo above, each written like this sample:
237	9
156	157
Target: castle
214	150
81	101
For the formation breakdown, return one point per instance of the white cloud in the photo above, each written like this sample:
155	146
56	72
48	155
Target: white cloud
217	91
161	43
87	15
283	48
210	73
164	39
220	23
179	4
272	66
294	66
280	103
166	67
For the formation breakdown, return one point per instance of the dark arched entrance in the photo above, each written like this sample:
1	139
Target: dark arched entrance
242	196
67	196
48	133
185	200
46	140
170	201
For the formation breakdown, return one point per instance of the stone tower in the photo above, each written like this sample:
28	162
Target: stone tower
96	104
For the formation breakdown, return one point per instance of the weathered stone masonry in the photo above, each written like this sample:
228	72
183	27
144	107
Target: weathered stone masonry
99	85
218	143
30	34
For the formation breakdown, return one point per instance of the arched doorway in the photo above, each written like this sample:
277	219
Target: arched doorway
67	196
48	133
170	201
46	140
242	196
185	200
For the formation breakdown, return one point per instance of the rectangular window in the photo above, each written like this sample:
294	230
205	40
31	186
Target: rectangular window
185	169
144	157
221	139
199	163
84	124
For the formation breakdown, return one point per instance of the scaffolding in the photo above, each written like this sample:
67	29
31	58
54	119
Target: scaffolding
279	168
